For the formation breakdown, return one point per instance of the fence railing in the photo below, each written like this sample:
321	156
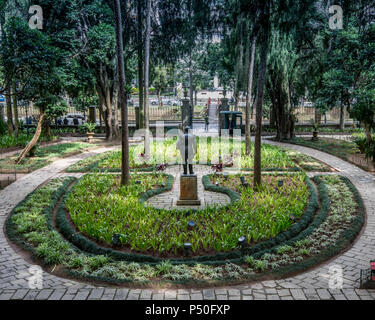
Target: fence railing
304	115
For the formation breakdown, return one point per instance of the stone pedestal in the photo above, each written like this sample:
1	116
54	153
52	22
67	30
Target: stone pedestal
188	191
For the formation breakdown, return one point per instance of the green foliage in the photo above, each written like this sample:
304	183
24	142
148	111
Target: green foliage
3	128
259	215
90	127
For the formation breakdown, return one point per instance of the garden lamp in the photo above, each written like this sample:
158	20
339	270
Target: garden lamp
116	239
187	248
191	224
242	242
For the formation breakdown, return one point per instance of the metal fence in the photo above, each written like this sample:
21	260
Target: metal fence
305	115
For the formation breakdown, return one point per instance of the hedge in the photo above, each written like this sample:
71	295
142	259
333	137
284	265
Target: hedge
88	245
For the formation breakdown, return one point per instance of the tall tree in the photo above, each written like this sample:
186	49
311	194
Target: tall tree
125	177
146	78
264	42
249	97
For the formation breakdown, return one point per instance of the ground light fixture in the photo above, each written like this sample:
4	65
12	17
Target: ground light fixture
242	242
280	183
187	248
116	239
138	181
244	182
191	224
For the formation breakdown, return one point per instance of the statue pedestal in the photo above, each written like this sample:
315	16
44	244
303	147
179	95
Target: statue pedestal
188	191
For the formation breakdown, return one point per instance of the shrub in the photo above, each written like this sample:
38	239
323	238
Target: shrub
360	141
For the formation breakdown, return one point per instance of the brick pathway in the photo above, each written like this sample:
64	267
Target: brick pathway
14	270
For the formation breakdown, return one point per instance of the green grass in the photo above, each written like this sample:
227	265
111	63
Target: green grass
9	141
307	163
100	208
43	156
336	147
208	153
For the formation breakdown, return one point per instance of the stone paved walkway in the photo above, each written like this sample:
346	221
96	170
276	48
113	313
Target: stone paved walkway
312	285
168	200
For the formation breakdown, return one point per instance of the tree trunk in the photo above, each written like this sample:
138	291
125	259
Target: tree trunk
15	109
125	176
368	132
259	107
46	127
159	98
147	73
249	98
140	123
34	140
115	108
342	116
108	114
191	89
8	97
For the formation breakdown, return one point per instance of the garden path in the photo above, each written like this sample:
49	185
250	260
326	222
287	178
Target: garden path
314	284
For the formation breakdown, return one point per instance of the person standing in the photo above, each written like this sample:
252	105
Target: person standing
206	120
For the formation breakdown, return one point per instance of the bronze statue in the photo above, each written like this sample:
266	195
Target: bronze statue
187	145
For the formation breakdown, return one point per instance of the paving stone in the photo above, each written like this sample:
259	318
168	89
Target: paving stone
298	294
57	294
158	296
20	294
196	296
82	295
96	294
44	294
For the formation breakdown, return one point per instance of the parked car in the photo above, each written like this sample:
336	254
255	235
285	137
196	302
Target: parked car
170	102
72	119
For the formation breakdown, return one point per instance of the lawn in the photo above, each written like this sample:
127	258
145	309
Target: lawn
100	208
273	158
10	141
336	147
43	157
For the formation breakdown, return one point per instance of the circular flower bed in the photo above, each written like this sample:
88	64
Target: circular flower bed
100	208
325	229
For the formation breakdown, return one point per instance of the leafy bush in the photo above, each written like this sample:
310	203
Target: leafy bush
360	141
370	150
90	127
